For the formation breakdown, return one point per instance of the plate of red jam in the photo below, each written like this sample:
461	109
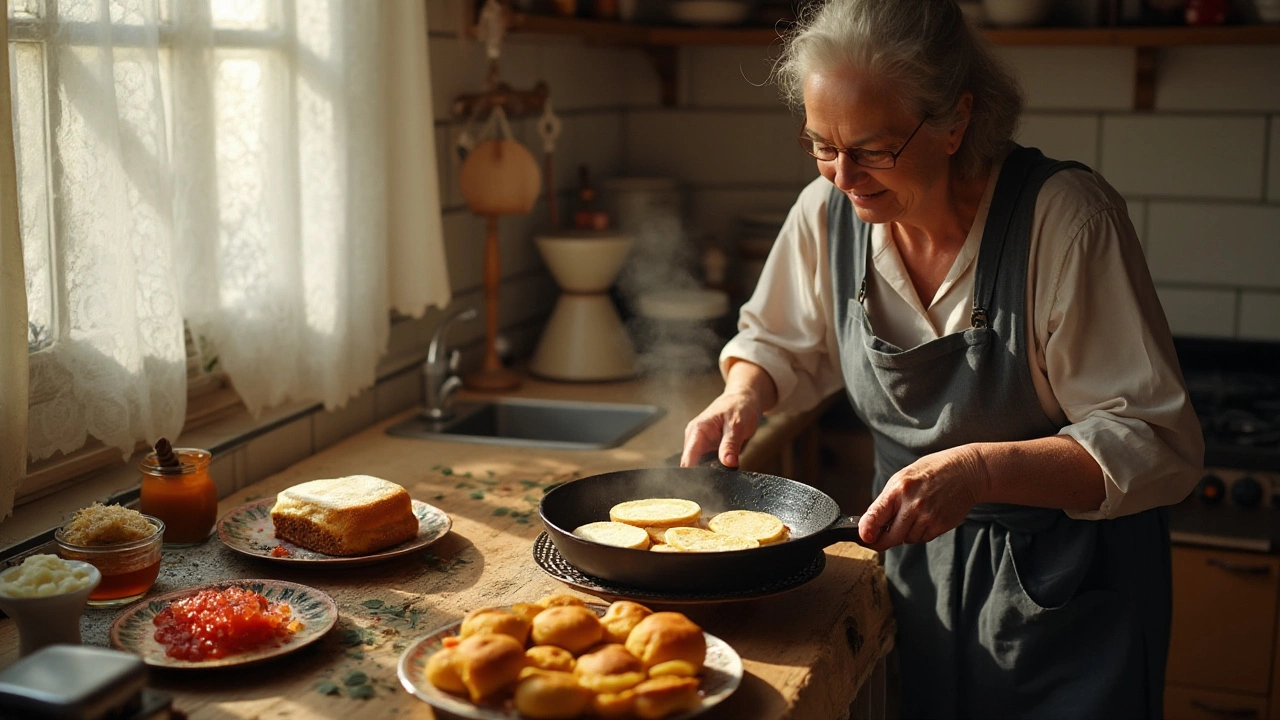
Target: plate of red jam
234	622
248	530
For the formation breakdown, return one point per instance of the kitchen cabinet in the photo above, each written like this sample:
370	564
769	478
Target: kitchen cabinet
662	42
1197	704
1222	647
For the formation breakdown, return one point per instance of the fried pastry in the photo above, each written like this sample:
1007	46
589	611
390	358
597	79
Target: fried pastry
620	617
572	627
609	668
686	539
549	695
665	636
662	696
442	671
550	657
762	527
487	621
488	665
614	533
656	512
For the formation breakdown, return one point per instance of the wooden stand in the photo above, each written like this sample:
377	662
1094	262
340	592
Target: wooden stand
492	375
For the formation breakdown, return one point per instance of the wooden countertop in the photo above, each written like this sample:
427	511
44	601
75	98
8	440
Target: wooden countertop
806	652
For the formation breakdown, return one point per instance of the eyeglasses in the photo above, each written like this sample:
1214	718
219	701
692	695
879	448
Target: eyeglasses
878	159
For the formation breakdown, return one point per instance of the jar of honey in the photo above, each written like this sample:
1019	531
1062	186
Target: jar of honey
182	495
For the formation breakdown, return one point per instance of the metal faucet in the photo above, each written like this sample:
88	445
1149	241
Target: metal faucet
440	381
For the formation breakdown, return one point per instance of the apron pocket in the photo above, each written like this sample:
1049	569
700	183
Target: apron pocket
1048	569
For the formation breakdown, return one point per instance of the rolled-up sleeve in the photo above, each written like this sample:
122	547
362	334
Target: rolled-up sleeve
786	327
1110	360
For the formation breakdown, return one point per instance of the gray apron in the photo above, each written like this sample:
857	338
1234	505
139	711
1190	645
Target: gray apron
1019	611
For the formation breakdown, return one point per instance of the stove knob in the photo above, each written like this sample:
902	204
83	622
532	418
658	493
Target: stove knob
1212	489
1246	492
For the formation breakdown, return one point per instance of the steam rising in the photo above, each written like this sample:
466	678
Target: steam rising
661	261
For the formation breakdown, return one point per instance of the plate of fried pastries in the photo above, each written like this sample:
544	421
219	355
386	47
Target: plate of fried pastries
562	657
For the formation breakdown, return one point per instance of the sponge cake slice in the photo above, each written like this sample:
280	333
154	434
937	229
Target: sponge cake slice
345	516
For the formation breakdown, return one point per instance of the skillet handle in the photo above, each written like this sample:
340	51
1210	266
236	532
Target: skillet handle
844	529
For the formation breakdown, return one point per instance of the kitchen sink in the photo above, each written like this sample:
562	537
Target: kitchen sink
535	423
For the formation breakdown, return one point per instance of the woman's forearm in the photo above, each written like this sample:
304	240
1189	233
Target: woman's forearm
747	377
1052	472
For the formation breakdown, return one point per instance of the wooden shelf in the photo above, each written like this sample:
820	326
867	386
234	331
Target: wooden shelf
661	42
603	32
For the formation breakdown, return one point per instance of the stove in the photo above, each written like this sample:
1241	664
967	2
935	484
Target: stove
1235	390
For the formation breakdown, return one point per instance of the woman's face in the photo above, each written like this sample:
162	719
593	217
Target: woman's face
847	110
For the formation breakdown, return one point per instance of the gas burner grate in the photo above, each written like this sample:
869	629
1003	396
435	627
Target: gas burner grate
553	563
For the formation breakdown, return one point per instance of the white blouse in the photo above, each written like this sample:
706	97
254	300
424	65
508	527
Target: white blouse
1103	361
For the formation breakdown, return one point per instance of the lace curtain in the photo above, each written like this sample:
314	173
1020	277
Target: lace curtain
13	310
257	167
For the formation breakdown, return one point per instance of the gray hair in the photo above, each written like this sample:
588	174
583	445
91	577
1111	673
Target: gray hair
925	50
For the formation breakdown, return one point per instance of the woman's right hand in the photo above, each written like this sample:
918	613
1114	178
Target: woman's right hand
732	418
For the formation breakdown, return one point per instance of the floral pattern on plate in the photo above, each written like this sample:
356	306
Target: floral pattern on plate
133	631
721	674
248	530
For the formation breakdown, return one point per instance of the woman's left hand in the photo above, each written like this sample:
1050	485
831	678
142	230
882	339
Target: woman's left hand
925	499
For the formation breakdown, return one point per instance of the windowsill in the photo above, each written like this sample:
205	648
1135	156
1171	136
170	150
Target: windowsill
32	523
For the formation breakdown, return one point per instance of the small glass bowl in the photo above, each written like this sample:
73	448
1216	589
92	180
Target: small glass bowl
129	569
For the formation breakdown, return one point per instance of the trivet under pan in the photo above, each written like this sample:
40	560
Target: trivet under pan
552	563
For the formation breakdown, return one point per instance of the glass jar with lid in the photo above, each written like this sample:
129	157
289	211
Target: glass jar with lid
182	496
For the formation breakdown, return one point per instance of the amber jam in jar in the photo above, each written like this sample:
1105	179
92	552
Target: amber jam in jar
184	497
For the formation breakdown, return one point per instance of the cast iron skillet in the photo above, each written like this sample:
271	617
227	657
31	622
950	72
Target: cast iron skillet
812	516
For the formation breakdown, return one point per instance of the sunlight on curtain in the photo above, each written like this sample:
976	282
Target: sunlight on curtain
264	170
312	207
96	203
13	309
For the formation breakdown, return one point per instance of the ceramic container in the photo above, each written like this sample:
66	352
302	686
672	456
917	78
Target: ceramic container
49	619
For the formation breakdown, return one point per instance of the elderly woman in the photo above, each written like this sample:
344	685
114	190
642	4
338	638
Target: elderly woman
991	316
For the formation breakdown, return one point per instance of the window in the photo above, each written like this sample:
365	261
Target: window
223	164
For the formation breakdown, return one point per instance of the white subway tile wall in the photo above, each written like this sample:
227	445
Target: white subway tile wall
727	77
741	148
277	449
1273	161
1182	155
1219	79
227	471
1260	316
334	425
396	394
1200	313
1061	135
1224	244
1138	210
1071	78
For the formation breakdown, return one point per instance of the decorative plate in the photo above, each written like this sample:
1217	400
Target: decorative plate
133	631
721	674
248	530
553	563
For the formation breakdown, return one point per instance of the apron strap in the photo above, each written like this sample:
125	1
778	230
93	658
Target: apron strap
1011	214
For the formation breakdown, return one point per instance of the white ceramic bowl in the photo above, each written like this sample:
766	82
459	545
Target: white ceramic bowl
584	262
709	12
49	619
